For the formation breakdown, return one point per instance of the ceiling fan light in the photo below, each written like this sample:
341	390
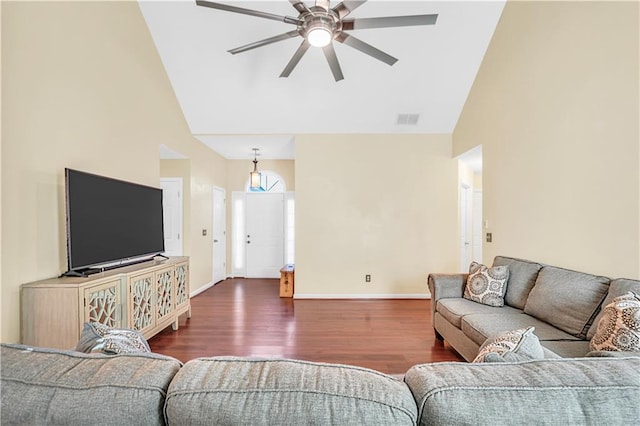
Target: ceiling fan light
319	37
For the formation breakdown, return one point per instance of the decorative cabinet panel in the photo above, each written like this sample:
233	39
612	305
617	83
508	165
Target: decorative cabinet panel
147	297
182	284
102	303
141	302
165	289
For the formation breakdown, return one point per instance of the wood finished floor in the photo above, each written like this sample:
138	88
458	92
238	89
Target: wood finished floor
246	317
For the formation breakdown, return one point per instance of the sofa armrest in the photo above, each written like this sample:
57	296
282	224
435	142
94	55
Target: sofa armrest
444	286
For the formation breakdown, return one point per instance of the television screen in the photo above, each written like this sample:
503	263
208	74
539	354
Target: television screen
110	220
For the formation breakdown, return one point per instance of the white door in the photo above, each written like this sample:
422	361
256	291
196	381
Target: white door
465	228
172	215
219	235
477	225
265	235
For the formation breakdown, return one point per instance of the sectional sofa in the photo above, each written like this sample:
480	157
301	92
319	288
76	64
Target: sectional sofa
47	386
564	306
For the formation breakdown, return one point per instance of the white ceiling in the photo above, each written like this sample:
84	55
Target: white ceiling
227	99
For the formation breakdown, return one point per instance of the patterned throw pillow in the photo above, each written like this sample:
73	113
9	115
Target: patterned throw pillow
99	338
619	327
486	285
511	346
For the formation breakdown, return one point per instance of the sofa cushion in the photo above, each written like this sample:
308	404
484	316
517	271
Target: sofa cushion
478	327
566	349
564	391
619	327
513	345
454	309
522	277
566	299
48	386
242	391
618	287
486	285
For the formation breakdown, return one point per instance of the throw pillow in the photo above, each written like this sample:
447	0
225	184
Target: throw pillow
511	346
619	327
99	338
486	285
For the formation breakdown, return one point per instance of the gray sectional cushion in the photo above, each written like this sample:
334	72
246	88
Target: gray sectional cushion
478	327
241	391
566	349
48	386
618	287
566	299
522	277
542	392
454	309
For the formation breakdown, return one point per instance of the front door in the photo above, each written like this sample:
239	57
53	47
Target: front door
264	235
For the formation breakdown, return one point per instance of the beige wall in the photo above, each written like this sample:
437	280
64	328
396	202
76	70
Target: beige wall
555	107
383	205
83	87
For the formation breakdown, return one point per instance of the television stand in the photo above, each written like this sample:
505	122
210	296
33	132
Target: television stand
147	297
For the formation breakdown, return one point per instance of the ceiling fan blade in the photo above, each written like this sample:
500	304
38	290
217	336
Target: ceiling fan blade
323	4
295	59
330	54
388	21
259	14
300	6
347	6
360	45
264	42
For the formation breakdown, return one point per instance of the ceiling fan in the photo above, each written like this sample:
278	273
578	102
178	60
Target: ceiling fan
320	25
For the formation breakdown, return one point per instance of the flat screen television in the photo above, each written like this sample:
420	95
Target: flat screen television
110	221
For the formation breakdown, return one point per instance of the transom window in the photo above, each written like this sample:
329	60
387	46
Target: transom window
269	182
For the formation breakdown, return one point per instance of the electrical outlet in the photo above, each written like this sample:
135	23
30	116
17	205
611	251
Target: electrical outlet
204	232
489	237
367	278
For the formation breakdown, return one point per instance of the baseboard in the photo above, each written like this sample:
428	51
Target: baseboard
201	289
363	296
206	287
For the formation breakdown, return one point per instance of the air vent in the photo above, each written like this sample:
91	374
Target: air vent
408	119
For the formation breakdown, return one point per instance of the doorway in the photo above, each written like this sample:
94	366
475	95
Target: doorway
262	234
465	227
219	235
172	215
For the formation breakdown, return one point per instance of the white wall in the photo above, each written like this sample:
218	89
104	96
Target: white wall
555	107
383	205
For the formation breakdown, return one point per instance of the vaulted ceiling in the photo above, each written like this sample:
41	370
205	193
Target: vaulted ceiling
230	101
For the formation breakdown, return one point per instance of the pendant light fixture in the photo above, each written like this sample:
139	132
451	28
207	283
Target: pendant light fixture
255	174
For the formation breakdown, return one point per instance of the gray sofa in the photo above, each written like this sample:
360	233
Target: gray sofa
562	305
45	386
